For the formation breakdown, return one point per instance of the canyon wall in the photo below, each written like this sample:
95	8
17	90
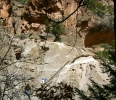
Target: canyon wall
30	18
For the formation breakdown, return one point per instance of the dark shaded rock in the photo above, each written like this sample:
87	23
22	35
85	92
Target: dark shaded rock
99	36
47	36
18	55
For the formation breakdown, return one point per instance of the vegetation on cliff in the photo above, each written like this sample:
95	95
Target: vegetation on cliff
54	28
103	92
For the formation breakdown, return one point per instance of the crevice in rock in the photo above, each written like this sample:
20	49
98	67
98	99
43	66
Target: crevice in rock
18	55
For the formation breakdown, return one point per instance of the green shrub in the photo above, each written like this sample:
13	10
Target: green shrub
113	44
111	19
48	26
16	46
22	1
54	28
110	9
105	46
97	8
103	54
58	29
108	50
22	36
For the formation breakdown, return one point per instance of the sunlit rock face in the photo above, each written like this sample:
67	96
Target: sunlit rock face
5	13
57	63
39	9
61	63
5	8
80	71
30	19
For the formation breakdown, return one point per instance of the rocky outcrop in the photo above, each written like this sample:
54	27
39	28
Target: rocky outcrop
32	16
66	61
47	36
80	71
5	13
50	63
56	62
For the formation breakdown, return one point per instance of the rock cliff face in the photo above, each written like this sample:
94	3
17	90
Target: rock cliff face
31	60
80	71
52	60
20	18
58	63
67	61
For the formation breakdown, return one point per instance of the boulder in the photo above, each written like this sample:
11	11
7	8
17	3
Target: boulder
47	36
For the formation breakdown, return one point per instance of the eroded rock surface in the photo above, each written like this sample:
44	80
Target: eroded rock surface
20	18
47	59
56	62
53	59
